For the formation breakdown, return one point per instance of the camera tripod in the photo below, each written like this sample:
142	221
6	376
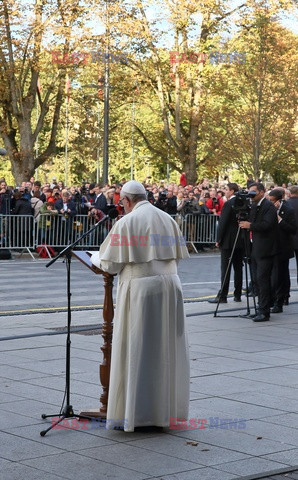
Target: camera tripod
247	266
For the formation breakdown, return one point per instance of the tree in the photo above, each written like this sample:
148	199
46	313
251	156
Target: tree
259	107
178	86
26	31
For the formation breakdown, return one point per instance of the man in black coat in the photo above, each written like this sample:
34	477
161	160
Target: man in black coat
293	202
286	228
100	201
263	226
226	237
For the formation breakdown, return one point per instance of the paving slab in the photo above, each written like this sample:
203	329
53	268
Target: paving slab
205	454
77	466
290	457
15	448
130	456
203	473
234	440
251	466
17	471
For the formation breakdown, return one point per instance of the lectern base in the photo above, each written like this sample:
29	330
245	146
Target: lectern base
94	413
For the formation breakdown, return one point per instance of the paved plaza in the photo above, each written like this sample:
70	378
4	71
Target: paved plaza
243	411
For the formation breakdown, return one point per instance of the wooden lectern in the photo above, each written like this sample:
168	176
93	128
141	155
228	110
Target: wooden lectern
107	333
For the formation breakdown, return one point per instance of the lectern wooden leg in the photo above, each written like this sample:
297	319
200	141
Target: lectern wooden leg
107	333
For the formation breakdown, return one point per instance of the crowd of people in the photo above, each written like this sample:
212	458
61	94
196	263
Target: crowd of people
92	199
181	201
173	198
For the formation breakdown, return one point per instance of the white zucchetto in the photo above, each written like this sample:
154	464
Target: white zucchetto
133	187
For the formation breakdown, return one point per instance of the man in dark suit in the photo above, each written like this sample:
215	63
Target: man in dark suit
100	201
263	225
293	202
226	237
286	228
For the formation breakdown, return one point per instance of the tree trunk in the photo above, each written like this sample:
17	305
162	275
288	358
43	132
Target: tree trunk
189	167
22	165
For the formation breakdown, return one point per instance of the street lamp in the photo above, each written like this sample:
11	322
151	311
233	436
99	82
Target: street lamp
98	87
106	111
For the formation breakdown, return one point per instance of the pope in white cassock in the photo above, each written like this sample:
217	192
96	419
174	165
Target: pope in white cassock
149	379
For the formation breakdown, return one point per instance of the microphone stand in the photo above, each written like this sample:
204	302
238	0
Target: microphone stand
67	411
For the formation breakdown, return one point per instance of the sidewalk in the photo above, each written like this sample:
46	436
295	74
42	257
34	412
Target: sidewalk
244	399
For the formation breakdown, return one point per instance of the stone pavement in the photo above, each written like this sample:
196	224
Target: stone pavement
243	409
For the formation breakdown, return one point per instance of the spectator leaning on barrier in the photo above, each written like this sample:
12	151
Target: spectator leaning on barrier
36	204
22	228
100	201
67	210
47	214
37	188
91	195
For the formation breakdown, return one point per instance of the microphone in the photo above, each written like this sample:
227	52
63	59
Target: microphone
113	213
3	151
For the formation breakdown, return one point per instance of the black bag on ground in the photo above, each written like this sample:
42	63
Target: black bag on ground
5	254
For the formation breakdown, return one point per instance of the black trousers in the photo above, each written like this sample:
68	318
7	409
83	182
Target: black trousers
237	267
296	255
262	271
281	282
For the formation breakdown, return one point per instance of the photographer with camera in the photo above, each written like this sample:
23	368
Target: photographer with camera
214	203
167	202
263	225
226	237
190	205
79	196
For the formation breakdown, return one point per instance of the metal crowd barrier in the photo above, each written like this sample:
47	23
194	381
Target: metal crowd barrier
57	231
17	232
199	229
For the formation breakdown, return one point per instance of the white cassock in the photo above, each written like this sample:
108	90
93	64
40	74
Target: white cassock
149	379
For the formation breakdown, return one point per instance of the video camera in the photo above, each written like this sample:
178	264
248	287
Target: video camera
163	199
163	195
242	203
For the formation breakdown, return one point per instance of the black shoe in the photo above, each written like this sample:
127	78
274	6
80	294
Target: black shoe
218	300
237	299
276	309
286	301
261	318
